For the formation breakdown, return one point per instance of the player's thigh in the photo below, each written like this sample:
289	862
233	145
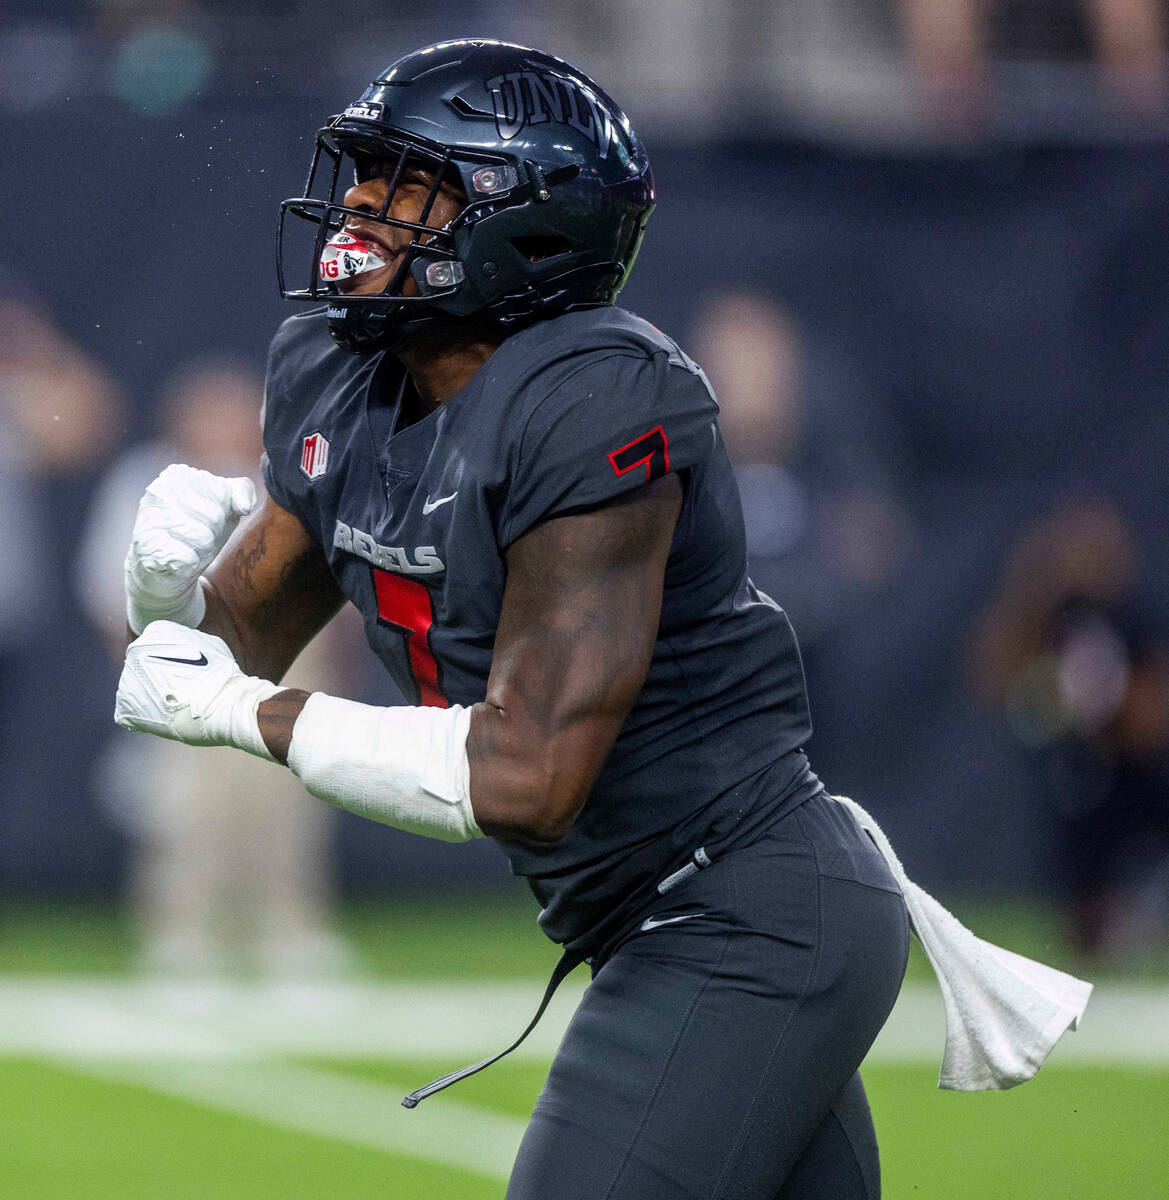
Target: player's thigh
706	1053
802	1058
840	1162
603	1084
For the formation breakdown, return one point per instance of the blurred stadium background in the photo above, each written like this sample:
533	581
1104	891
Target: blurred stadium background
921	248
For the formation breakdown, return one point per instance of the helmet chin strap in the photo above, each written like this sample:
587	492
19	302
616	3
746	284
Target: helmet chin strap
362	329
366	332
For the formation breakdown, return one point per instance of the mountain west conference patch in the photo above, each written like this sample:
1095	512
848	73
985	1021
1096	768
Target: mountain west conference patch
314	455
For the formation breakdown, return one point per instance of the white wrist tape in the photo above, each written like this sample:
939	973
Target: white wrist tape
234	721
188	609
405	767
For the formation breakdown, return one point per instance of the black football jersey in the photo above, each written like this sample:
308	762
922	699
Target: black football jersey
416	520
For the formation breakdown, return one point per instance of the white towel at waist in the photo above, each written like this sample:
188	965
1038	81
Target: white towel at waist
1004	1012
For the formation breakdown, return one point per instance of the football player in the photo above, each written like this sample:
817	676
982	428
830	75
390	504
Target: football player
523	489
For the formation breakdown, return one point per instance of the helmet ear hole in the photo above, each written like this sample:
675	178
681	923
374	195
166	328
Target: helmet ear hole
536	248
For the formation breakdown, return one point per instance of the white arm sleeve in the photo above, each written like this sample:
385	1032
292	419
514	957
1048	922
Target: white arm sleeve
405	767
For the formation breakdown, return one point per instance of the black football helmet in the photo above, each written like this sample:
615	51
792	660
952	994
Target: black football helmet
558	191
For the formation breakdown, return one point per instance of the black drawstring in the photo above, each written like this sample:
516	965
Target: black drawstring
569	960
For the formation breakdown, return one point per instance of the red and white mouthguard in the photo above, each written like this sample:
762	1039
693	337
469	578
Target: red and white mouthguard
345	256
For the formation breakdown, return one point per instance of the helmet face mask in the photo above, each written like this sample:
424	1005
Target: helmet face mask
338	164
555	193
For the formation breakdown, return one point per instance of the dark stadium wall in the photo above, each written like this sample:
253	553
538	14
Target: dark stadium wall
1003	314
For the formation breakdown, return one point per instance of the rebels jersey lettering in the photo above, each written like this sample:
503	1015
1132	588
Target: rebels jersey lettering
415	522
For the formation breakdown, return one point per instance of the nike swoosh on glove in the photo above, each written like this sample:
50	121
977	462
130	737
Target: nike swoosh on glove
185	685
184	519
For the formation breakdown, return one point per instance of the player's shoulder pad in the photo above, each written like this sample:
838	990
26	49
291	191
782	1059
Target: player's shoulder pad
302	359
610	403
595	330
300	341
533	364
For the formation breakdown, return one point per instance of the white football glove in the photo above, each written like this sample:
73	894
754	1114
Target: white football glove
184	684
184	520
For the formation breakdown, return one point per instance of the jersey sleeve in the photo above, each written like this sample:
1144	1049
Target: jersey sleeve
619	421
286	499
278	424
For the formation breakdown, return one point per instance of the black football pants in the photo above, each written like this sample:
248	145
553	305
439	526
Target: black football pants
715	1057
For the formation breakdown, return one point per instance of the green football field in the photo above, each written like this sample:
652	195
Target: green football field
115	1087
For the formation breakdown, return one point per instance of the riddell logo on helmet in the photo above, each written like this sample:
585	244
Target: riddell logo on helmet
523	98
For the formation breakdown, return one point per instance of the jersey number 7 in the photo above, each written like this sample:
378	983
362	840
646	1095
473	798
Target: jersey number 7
651	450
406	605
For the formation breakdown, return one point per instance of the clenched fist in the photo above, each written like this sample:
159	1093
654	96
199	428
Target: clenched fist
184	684
184	520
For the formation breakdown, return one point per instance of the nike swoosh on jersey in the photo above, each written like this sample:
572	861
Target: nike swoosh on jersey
430	505
201	661
653	922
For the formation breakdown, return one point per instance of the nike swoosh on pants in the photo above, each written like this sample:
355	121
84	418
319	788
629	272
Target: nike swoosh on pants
653	922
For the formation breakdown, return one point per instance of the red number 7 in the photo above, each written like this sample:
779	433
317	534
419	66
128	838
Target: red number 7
407	605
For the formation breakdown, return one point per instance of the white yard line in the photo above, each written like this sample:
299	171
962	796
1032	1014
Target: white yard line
219	1044
415	1022
326	1104
141	1019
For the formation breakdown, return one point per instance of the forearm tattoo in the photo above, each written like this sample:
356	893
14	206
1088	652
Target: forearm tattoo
299	577
247	559
270	597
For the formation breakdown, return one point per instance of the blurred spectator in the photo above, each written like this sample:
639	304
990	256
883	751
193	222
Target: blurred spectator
232	854
61	413
1081	670
1131	47
822	532
60	408
945	44
950	43
22	577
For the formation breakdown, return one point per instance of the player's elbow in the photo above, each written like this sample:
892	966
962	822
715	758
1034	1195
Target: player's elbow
541	836
529	781
531	803
552	820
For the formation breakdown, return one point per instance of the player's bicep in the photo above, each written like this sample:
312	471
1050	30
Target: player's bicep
579	621
273	588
